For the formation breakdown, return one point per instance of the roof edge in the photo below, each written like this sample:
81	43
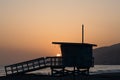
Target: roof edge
73	43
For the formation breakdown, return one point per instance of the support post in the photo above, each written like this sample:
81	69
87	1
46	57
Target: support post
63	69
51	71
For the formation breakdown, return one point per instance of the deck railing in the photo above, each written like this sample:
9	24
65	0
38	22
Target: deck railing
33	65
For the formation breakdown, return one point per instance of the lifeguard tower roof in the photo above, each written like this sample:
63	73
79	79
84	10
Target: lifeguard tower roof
72	43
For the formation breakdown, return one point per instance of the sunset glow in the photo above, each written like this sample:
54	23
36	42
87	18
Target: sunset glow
58	55
28	27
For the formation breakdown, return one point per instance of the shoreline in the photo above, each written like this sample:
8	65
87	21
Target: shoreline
102	76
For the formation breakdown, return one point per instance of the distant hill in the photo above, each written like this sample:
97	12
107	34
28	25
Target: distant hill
109	55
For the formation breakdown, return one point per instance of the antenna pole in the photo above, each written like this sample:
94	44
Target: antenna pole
82	33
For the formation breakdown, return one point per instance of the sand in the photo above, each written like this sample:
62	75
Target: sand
104	76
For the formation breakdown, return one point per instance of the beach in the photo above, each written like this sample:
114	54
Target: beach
99	72
103	76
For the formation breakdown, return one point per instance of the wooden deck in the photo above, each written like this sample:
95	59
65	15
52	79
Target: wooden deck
54	63
33	65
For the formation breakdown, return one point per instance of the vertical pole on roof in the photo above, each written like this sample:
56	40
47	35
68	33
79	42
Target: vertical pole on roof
82	33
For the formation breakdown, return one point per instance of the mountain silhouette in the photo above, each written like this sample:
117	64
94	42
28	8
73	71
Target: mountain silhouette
109	55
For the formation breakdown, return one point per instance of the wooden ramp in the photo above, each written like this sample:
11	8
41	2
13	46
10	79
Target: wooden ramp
32	65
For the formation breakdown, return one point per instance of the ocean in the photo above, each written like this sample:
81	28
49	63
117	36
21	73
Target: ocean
97	69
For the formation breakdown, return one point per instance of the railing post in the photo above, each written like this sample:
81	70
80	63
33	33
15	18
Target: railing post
6	70
55	62
16	68
11	69
33	64
38	62
51	61
44	62
22	67
27	66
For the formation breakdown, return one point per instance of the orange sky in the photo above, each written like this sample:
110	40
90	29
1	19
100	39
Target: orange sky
33	24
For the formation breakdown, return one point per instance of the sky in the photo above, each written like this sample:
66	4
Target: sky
28	27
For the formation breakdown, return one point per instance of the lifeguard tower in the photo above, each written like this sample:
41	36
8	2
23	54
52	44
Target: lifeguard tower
76	56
